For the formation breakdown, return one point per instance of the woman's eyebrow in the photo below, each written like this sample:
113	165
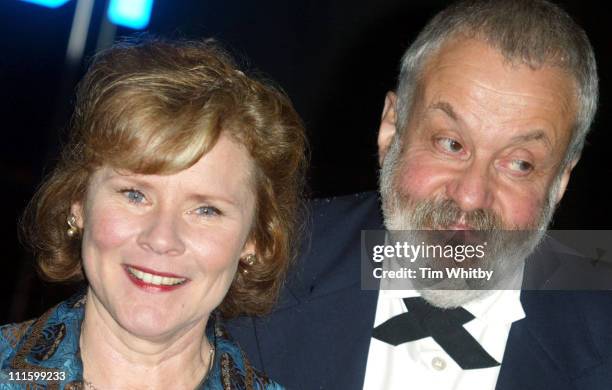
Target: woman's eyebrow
203	198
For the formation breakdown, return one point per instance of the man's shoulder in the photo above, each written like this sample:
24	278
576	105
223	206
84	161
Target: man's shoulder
330	243
590	308
363	204
322	303
339	221
563	332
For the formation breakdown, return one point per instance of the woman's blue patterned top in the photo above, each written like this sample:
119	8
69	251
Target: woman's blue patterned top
49	347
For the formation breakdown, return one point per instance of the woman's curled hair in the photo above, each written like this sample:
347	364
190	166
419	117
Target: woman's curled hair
156	107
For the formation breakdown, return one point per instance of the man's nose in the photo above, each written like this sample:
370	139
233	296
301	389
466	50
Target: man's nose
471	188
160	234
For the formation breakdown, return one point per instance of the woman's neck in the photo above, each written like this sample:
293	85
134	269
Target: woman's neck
113	358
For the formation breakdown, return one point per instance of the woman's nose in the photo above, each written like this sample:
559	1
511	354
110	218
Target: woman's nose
160	234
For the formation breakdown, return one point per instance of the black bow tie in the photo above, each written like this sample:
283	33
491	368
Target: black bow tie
444	325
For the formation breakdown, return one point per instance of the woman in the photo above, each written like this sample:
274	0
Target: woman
176	199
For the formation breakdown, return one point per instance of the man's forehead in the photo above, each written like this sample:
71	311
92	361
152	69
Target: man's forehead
470	72
461	52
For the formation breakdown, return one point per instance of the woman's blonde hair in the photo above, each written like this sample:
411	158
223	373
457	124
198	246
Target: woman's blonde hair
156	107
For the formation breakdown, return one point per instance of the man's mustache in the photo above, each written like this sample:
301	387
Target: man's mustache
442	214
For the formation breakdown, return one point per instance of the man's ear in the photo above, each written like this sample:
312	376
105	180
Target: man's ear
565	176
76	209
387	129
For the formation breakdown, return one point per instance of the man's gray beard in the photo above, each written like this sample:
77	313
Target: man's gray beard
507	257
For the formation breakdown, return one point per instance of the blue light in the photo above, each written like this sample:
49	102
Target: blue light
130	13
48	3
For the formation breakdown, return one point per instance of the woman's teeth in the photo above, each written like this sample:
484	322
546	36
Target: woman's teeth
155	279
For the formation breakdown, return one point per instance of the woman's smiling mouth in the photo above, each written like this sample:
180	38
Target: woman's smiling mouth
154	281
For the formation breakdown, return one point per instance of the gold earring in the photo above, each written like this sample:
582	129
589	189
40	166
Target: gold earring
73	229
247	262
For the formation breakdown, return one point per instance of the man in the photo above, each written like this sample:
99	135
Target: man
493	104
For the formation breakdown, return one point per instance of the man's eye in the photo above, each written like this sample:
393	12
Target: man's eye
449	145
207	211
133	196
521	166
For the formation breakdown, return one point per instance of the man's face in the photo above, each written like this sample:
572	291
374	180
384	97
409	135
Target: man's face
484	134
482	151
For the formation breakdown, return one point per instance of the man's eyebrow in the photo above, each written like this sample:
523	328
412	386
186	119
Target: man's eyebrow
535	135
445	107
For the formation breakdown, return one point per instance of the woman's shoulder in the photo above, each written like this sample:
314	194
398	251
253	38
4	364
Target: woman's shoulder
59	319
10	336
47	344
232	368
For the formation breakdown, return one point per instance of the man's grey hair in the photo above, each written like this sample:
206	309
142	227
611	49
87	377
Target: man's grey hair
532	32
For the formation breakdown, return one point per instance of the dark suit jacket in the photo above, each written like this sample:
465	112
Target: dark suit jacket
319	334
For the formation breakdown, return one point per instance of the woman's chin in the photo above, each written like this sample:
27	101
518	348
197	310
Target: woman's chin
147	322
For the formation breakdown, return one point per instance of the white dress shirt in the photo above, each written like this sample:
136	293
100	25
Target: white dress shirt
423	364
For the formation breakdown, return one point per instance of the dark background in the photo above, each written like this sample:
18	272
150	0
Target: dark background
335	59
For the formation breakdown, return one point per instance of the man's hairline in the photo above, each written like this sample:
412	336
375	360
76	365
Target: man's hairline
416	88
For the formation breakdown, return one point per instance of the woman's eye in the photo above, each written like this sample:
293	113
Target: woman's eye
521	166
133	196
207	211
449	145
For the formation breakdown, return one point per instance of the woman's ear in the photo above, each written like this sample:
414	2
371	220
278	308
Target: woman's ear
76	209
249	249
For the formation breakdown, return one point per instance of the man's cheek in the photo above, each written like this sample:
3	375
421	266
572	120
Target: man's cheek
522	213
420	180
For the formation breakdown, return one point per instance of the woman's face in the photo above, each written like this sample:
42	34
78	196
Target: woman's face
160	252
